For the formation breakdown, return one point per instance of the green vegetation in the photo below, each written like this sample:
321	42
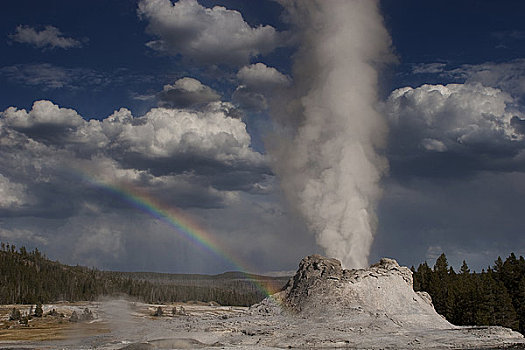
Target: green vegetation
492	297
31	278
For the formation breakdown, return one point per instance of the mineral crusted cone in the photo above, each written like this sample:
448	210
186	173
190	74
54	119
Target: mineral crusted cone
382	294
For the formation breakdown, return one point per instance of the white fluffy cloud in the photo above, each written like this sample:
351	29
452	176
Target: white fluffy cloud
48	38
185	158
258	83
208	135
207	35
186	92
457	117
260	76
173	132
42	113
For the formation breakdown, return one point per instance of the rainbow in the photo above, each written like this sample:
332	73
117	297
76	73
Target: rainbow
176	219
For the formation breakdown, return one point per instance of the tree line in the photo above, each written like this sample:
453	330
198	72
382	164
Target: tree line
28	277
495	296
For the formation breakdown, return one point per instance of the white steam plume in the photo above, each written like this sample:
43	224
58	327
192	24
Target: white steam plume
327	158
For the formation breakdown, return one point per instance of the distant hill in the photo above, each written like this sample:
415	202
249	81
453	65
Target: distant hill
231	275
29	277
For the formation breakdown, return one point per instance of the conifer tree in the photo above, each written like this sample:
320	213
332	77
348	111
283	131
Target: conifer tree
38	310
439	285
464	268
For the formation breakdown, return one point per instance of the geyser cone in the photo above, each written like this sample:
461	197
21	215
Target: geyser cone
381	294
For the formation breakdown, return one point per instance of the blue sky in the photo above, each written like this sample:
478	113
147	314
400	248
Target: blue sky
199	114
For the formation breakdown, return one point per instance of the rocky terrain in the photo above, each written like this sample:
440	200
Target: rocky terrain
322	306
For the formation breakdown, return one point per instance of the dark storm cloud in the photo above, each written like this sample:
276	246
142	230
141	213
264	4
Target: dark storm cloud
475	219
48	134
202	166
518	124
50	202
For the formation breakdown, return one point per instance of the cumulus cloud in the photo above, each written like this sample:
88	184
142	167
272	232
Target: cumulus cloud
205	35
258	83
48	38
186	92
189	151
45	122
507	76
260	76
168	133
42	113
466	119
12	194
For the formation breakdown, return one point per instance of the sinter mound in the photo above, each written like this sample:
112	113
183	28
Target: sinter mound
382	295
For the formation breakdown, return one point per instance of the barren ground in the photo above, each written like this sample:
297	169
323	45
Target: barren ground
121	324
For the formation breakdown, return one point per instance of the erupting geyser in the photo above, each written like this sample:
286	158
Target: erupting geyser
327	158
